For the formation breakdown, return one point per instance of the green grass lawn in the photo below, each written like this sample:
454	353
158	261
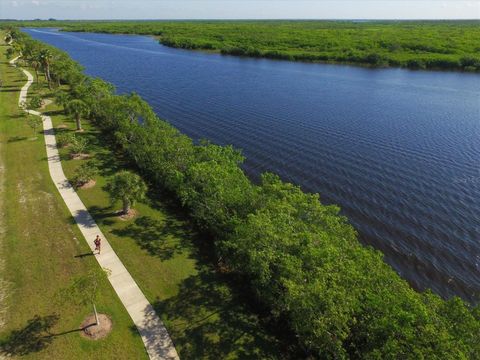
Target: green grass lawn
39	250
204	316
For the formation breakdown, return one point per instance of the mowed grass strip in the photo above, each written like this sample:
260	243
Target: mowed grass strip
205	316
43	250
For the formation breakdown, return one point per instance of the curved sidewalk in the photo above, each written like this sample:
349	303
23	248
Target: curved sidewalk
154	334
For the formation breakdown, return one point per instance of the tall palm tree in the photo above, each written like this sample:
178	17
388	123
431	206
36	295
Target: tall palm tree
8	38
127	187
77	108
35	63
46	58
62	98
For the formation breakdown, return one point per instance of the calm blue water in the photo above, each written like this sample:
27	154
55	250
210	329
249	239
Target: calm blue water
398	150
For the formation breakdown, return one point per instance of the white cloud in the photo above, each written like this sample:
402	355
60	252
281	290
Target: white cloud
36	2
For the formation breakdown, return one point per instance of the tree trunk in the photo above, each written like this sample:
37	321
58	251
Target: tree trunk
36	74
48	75
79	123
126	206
97	322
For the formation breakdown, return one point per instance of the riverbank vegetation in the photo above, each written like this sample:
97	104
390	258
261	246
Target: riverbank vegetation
449	45
300	259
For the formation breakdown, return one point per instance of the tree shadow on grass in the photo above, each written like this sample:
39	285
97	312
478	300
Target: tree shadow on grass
17	116
207	320
13	139
102	213
33	337
84	255
100	216
160	237
13	89
53	112
106	165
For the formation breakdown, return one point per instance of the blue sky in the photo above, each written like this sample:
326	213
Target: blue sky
241	9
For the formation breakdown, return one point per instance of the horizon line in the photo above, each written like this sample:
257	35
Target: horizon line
254	19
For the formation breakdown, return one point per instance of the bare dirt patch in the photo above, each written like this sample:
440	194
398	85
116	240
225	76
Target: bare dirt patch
62	126
131	214
80	156
95	332
45	103
88	185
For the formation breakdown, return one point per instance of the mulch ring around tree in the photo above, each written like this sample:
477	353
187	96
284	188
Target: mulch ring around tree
95	332
131	214
80	156
89	184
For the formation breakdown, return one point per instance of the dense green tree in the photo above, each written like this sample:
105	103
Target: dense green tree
45	57
93	92
218	194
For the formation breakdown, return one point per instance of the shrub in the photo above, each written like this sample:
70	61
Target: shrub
65	138
84	173
78	145
34	122
35	102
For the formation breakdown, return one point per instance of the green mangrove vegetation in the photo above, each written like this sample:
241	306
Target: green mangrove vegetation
412	44
301	259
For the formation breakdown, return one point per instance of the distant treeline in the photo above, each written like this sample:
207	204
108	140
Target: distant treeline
413	44
302	260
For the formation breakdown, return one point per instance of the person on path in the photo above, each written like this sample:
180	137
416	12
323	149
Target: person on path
98	243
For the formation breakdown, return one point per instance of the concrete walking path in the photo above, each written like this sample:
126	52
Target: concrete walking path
154	334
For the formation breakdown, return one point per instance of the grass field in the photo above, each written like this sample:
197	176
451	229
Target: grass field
41	251
412	44
206	318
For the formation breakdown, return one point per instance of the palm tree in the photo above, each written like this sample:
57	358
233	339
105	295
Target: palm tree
8	38
46	58
127	187
77	108
62	98
35	62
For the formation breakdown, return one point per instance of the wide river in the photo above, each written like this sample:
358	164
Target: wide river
398	150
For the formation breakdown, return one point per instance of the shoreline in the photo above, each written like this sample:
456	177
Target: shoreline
325	62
